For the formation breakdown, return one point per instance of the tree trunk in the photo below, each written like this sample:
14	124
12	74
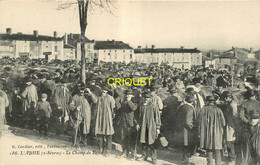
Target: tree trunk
83	59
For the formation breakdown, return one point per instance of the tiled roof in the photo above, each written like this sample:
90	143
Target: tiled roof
111	45
28	37
227	55
241	53
166	50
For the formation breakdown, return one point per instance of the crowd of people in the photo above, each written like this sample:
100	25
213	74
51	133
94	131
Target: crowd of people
193	108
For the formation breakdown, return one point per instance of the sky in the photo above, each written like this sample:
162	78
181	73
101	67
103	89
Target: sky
202	24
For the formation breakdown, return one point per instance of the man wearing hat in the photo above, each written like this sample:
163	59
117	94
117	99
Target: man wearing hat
231	116
45	86
43	113
211	126
186	121
155	98
127	122
168	117
30	97
150	122
104	120
248	105
61	99
80	116
252	140
199	102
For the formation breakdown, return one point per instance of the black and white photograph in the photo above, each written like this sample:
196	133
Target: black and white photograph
129	82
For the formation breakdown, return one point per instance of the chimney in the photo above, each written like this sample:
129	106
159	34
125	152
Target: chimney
8	31
35	33
182	47
71	35
139	47
251	50
114	42
195	48
153	46
55	34
66	38
211	54
235	53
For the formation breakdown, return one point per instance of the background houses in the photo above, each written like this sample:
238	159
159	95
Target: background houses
178	57
31	45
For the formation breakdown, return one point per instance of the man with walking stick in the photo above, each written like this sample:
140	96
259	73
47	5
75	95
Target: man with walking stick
80	117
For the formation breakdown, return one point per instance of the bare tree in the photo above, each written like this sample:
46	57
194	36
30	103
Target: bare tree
85	7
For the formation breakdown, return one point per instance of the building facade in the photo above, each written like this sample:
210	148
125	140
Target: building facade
176	57
113	51
31	46
73	40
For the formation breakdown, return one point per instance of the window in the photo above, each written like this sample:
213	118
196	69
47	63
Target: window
47	46
56	48
104	50
115	55
198	59
115	50
131	56
165	54
124	51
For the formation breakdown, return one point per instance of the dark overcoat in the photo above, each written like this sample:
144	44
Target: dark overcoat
211	126
187	119
149	120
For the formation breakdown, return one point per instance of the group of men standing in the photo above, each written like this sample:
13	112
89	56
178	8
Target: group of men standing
220	127
202	122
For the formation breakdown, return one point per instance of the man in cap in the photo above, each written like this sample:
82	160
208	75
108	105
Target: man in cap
62	98
43	113
80	116
104	120
212	122
187	118
30	97
150	122
127	122
231	116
